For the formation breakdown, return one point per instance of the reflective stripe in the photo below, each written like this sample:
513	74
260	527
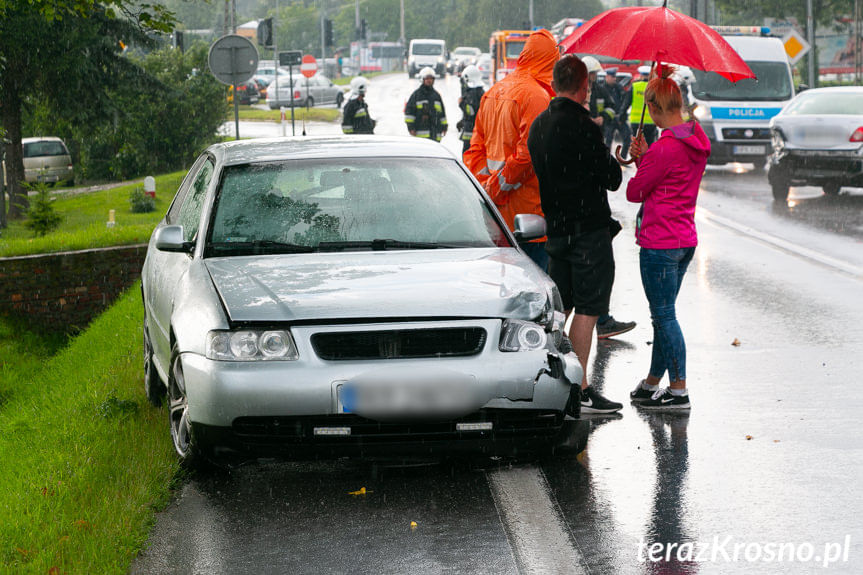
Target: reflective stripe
422	103
466	136
347	129
443	122
438	106
423	133
495	164
469	110
361	114
484	172
409	118
505	187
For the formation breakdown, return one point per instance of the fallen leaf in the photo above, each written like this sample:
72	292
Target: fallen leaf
82	524
413	525
748	438
775	441
736	342
54	570
360	491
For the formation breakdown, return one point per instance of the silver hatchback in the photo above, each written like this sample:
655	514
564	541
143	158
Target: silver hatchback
348	296
307	92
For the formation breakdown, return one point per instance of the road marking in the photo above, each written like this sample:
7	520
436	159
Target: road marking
784	245
538	536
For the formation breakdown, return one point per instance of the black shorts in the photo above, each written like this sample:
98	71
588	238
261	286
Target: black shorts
583	268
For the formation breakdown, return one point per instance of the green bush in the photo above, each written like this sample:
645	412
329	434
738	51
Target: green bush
41	218
141	202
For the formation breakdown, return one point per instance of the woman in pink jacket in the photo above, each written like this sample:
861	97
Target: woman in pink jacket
666	185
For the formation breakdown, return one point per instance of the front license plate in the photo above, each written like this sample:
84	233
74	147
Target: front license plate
750	150
42	178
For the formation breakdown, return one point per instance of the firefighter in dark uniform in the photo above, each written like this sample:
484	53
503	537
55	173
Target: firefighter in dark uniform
355	116
471	95
425	115
620	124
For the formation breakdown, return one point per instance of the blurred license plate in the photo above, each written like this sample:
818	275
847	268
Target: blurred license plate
43	178
409	398
750	150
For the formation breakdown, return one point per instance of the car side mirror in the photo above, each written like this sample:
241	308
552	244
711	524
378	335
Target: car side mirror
802	88
170	239
529	227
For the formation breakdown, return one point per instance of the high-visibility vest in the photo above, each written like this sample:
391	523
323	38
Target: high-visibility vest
638	89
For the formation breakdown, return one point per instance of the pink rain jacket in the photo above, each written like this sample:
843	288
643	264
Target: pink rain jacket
667	182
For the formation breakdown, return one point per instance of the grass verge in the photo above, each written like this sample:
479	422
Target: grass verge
86	460
85	217
247	113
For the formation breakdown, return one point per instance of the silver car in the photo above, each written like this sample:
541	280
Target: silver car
818	141
348	295
307	92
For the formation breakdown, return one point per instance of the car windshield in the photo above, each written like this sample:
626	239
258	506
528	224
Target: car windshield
465	51
823	103
427	49
772	83
48	148
341	204
514	48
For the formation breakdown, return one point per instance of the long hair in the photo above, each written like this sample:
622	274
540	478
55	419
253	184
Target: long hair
662	91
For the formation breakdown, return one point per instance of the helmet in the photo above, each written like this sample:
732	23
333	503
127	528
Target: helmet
426	72
472	76
644	70
592	64
359	85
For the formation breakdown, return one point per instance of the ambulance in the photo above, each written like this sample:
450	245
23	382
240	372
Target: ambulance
736	116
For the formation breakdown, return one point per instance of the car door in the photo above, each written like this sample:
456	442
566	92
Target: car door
166	269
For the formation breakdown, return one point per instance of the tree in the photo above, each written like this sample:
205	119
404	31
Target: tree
67	53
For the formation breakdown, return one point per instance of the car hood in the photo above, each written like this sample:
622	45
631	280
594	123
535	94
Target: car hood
497	282
818	132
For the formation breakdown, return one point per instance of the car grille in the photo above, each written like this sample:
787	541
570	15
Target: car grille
399	344
740	134
825	165
300	429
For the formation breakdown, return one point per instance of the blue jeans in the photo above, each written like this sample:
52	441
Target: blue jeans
536	252
661	275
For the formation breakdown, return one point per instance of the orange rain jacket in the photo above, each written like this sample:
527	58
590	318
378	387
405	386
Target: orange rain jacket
498	155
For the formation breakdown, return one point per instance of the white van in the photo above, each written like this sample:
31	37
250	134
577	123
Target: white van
427	52
736	116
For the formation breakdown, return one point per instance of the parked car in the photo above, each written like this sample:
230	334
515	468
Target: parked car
484	65
461	57
818	141
247	93
301	297
308	92
47	159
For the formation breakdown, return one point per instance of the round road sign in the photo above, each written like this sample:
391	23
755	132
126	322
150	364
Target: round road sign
309	67
233	59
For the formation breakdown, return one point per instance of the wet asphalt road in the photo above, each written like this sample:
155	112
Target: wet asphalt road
769	458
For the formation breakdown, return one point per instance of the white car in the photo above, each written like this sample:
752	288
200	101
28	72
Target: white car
307	92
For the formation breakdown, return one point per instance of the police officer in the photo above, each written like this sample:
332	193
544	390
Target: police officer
620	123
355	116
425	115
602	104
638	87
471	95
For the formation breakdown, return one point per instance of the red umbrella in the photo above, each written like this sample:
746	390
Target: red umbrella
658	34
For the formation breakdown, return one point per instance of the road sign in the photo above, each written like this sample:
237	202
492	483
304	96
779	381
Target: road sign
309	67
290	58
233	59
795	46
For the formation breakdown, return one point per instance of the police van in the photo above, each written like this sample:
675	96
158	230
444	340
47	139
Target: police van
736	116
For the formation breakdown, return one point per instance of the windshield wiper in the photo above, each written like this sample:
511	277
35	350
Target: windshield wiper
380	245
261	246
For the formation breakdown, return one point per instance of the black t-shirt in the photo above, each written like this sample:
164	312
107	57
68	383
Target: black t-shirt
574	169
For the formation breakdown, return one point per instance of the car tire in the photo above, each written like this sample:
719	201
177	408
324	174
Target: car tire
153	386
340	99
831	189
189	450
780	190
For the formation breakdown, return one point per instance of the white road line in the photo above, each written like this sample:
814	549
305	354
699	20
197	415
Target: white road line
784	245
538	536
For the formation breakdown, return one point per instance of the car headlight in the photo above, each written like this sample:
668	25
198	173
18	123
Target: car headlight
701	112
518	335
778	139
440	60
251	345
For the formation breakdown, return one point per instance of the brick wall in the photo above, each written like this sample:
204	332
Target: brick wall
67	290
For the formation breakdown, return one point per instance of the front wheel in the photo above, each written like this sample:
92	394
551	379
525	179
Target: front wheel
831	189
190	451
780	191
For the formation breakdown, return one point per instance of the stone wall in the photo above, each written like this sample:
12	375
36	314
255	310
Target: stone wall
67	290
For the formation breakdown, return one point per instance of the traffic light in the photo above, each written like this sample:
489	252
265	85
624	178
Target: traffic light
328	32
265	32
363	29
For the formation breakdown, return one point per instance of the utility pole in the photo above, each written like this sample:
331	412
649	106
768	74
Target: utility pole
810	32
402	39
233	16
530	14
858	49
323	39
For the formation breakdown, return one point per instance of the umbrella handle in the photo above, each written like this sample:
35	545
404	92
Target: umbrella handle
620	159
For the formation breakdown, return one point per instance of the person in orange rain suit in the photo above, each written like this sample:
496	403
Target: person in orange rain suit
498	155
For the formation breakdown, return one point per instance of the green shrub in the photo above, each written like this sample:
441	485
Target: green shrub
141	202
41	218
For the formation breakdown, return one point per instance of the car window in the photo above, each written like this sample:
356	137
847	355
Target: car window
180	196
427	49
309	203
45	148
773	83
190	212
818	103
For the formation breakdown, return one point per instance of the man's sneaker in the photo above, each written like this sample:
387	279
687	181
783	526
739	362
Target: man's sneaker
665	400
639	394
593	402
613	327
